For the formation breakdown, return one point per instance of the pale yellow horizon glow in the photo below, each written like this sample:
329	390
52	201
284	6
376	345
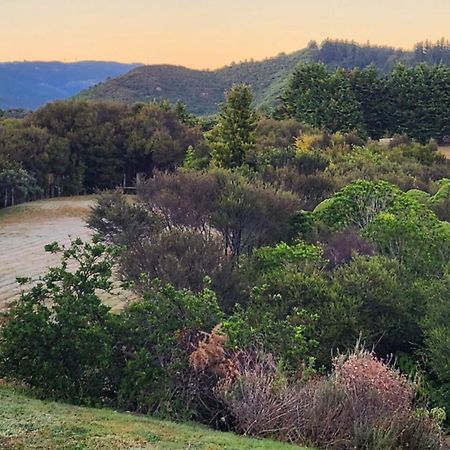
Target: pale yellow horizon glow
206	33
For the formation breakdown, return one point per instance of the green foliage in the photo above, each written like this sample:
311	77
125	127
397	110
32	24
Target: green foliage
419	196
409	100
154	330
357	204
397	165
322	99
235	128
17	185
382	308
370	91
437	340
63	341
118	220
260	326
57	336
281	257
440	201
193	161
413	234
419	99
76	147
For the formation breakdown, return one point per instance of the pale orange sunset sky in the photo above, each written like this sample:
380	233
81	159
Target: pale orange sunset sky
206	33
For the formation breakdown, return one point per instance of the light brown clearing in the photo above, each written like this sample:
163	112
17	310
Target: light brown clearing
445	150
25	230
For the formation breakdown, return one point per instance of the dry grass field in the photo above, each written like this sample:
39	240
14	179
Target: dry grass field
445	150
25	230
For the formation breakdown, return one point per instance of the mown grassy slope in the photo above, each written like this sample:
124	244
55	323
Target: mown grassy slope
27	423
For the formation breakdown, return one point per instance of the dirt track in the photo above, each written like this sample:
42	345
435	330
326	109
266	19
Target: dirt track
27	228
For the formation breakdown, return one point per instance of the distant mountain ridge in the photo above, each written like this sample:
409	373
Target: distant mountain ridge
31	84
203	91
200	90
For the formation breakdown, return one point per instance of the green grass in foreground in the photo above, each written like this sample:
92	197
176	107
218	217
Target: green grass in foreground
26	423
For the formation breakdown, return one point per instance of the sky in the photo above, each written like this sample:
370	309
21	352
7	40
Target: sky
206	33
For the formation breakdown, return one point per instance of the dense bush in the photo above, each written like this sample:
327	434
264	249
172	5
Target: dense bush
411	100
243	214
76	147
118	220
180	257
357	204
57	337
65	343
154	343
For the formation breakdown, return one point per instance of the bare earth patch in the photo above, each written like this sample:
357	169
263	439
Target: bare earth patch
25	230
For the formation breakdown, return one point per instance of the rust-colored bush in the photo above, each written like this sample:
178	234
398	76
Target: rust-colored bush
363	404
210	356
365	376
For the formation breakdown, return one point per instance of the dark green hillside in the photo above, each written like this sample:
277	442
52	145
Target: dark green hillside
267	77
202	91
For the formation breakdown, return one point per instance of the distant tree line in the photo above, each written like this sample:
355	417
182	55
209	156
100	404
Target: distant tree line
70	148
408	100
349	54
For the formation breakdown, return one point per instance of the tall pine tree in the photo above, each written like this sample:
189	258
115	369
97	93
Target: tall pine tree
234	132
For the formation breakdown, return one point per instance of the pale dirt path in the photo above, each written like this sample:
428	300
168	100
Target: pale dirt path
25	230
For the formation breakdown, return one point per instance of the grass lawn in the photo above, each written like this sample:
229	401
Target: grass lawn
27	423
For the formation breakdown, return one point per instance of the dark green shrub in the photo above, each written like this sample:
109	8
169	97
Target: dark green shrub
57	337
117	219
155	344
181	258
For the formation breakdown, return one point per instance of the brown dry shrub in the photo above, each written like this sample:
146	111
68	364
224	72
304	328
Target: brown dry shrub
364	375
257	397
363	404
210	356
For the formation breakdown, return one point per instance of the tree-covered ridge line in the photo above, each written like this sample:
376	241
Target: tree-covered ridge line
202	91
69	148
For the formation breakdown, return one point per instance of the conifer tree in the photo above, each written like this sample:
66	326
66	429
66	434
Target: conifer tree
234	132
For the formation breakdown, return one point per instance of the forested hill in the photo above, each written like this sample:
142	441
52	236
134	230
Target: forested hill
32	84
202	91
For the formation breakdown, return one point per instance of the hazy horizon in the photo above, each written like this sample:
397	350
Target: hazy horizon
206	34
205	68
